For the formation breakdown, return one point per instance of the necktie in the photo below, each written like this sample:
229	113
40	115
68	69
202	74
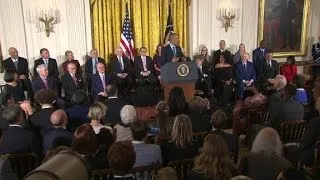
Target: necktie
120	62
103	82
262	51
144	63
45	80
94	64
270	64
16	64
200	67
174	50
74	79
245	67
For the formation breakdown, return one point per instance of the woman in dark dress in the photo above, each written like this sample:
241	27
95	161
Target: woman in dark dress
13	86
157	60
224	79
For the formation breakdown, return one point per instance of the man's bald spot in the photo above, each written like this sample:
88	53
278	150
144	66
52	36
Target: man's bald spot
58	117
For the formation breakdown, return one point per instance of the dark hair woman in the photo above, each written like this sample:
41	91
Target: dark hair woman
177	102
13	86
289	70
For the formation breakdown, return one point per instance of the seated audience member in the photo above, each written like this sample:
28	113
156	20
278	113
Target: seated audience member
43	81
16	139
50	63
121	158
6	100
100	81
128	115
287	109
51	153
96	114
181	145
78	112
85	142
114	105
41	120
13	86
121	71
105	140
166	173
289	70
157	61
301	95
279	83
162	119
293	174
70	59
245	75
218	120
144	68
239	53
269	68
214	161
224	81
265	161
6	171
203	82
258	99
308	141
71	81
59	121
146	154
91	65
199	120
177	102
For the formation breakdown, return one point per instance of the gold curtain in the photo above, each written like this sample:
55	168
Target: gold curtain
148	18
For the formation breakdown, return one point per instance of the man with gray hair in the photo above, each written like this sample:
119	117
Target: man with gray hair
43	81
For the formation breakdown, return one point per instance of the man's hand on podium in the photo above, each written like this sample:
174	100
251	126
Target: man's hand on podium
175	59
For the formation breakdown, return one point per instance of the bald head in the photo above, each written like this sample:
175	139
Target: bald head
13	52
59	118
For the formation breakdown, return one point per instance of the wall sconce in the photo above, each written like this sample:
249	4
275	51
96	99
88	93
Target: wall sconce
227	16
44	19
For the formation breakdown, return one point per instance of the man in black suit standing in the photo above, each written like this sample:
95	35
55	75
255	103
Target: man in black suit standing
222	49
20	66
114	105
144	68
17	139
43	81
121	70
258	56
203	82
71	81
316	58
58	135
171	52
91	65
50	63
269	68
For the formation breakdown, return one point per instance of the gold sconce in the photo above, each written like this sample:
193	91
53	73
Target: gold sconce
227	15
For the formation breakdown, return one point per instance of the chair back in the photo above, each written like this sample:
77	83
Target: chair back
104	174
146	172
182	167
258	115
22	163
292	131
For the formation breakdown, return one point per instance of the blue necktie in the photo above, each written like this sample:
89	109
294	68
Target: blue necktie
174	50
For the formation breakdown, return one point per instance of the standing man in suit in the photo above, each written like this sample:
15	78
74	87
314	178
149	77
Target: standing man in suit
71	81
91	65
258	56
222	49
16	139
245	74
172	52
121	70
20	66
144	68
203	82
50	63
70	58
114	105
316	58
269	68
100	81
43	81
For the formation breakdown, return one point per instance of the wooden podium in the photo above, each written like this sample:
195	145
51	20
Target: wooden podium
179	74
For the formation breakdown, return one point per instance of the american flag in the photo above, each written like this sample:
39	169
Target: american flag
126	41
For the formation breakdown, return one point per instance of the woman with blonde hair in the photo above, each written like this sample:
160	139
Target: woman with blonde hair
181	145
205	53
96	114
280	82
214	161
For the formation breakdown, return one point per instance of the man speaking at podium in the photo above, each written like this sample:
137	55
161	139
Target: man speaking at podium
172	52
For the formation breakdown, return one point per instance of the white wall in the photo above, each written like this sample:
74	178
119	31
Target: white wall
73	32
206	29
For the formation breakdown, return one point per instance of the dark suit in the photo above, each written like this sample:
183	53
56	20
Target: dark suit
258	58
97	84
139	68
114	106
167	54
200	122
89	65
52	67
203	83
41	120
38	84
57	134
6	172
243	74
228	57
230	140
77	115
267	72
122	84
69	85
18	140
285	110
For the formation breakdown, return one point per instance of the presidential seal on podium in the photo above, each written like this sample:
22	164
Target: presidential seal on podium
183	70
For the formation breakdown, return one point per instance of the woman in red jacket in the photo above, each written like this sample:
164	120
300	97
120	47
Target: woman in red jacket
289	70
